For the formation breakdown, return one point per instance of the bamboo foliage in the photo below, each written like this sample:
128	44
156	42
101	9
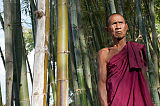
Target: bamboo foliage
41	55
62	54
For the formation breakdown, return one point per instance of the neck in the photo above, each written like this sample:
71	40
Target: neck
119	43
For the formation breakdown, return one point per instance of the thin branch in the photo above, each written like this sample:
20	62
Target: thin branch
2	56
2	21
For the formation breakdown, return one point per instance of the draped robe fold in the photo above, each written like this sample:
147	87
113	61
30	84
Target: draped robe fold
125	82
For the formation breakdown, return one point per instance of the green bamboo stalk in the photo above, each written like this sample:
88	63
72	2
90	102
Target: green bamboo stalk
33	19
94	26
21	91
77	101
85	57
17	51
62	54
154	42
120	10
78	55
48	92
150	64
52	82
23	94
8	51
39	95
52	53
112	6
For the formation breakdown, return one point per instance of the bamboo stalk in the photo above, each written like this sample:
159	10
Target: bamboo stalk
29	68
39	95
33	19
23	93
86	62
51	66
78	55
150	65
62	54
112	6
77	101
8	51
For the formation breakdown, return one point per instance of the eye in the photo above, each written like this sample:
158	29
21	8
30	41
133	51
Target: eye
114	23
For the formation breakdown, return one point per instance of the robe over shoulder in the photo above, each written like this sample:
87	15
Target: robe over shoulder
125	82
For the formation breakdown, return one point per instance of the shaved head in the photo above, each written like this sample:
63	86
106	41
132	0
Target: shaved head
107	24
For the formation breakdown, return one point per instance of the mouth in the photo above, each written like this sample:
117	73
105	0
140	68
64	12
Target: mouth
119	32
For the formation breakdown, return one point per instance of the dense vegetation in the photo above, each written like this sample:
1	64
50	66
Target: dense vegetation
67	36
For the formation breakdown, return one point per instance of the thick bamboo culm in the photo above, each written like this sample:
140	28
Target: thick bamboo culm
39	95
62	54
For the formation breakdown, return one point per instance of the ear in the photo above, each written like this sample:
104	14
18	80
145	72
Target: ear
106	28
126	26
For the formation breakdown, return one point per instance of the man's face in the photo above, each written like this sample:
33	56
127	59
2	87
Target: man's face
117	26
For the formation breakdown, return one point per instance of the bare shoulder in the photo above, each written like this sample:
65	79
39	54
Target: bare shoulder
103	53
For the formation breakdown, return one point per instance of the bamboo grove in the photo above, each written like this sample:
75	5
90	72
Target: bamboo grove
67	35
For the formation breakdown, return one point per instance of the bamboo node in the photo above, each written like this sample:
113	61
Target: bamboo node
39	14
65	52
35	93
53	3
79	91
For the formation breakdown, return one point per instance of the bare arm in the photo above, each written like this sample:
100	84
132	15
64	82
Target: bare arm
102	76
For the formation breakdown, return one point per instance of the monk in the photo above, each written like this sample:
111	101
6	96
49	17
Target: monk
122	79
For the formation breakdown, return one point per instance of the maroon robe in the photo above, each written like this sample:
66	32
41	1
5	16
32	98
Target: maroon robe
125	82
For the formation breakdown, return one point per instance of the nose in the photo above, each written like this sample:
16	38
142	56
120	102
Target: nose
118	25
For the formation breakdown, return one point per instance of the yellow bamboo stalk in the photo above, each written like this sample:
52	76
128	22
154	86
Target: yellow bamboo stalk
46	53
62	54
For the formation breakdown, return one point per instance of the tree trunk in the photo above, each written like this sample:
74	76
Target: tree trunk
8	51
62	54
